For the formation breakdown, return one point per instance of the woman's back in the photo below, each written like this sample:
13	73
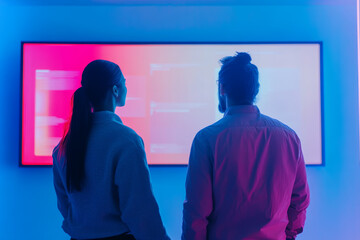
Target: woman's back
116	195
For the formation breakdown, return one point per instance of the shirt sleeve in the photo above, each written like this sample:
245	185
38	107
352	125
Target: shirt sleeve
138	206
62	197
300	200
198	204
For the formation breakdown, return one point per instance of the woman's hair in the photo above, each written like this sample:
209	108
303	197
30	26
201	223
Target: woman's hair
97	78
240	78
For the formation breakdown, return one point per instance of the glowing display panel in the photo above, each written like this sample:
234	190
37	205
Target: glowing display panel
172	92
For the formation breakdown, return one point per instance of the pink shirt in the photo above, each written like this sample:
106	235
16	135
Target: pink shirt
246	180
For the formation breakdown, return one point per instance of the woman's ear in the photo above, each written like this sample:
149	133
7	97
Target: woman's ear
221	89
115	91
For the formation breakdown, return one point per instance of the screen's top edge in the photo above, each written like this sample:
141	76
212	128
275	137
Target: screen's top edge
170	43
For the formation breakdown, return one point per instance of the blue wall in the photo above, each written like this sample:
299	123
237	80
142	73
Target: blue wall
27	199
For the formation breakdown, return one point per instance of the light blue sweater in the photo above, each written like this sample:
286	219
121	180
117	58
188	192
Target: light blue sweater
116	196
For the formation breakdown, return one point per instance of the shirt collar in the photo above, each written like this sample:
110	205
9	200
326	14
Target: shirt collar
105	116
242	109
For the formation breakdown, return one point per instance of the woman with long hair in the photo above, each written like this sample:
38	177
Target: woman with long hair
100	170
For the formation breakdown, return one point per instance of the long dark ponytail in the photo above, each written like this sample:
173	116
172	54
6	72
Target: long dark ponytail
98	76
74	143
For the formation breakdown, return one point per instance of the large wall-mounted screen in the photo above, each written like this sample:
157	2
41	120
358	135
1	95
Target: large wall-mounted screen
172	92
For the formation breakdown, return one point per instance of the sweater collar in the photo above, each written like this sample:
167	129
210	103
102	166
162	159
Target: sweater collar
105	116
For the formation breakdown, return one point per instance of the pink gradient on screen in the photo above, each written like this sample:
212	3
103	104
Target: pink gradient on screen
172	92
358	45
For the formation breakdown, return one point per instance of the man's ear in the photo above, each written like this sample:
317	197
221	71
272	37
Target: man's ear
115	90
222	90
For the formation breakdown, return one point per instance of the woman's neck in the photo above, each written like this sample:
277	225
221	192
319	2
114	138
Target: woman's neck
108	104
104	108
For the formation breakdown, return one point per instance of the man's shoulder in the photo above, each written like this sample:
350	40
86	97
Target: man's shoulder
263	121
211	130
276	125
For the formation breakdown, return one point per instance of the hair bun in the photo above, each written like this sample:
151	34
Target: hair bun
242	58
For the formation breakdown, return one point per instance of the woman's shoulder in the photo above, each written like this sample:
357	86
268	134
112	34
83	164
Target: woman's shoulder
125	134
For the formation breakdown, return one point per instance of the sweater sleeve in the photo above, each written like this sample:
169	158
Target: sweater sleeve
300	200
62	197
198	204
139	209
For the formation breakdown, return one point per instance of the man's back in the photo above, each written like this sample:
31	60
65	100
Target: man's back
246	180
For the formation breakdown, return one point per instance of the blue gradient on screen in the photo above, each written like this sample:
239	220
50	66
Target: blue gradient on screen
27	199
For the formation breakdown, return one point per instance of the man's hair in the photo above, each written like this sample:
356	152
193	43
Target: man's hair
240	78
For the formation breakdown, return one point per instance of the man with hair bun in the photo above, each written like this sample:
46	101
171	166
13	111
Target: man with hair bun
246	178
